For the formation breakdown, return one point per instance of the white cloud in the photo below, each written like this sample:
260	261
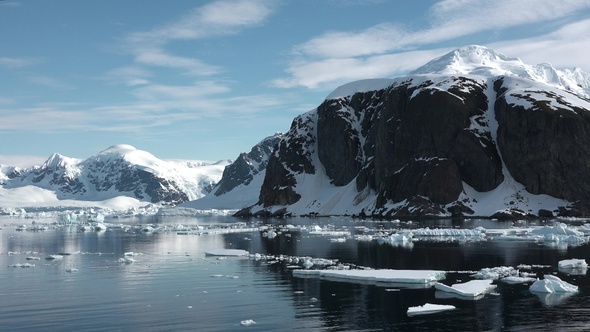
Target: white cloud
565	48
158	57
325	73
128	75
215	19
337	57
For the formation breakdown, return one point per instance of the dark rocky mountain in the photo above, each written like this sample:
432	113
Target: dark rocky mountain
247	165
240	184
474	136
120	170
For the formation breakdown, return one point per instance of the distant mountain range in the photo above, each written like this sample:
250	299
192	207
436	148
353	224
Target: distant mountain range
120	170
472	133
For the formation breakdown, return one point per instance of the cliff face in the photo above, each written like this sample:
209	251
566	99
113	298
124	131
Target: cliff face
424	144
544	138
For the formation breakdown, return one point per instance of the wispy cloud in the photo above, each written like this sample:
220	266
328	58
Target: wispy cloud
565	47
49	82
314	61
18	62
219	18
129	75
155	107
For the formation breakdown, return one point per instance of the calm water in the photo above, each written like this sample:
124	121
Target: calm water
173	286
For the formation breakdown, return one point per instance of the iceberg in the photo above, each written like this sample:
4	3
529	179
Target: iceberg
472	289
552	284
422	277
429	308
572	264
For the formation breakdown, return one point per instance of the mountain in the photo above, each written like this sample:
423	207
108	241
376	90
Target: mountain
120	170
241	181
472	133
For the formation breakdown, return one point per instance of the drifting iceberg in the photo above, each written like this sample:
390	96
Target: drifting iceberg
429	308
552	284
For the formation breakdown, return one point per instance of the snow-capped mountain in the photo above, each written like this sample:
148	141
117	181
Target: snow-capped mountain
472	133
120	170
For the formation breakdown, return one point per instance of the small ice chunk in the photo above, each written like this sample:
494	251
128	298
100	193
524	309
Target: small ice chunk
552	284
52	257
470	289
429	308
33	258
247	322
126	260
71	270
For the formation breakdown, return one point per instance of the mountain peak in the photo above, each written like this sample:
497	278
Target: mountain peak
484	61
473	59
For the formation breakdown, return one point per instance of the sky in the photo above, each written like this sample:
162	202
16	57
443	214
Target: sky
207	80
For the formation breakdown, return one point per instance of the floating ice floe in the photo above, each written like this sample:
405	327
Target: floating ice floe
33	258
478	232
573	266
247	322
53	257
552	284
517	280
72	270
429	308
227	252
419	277
473	289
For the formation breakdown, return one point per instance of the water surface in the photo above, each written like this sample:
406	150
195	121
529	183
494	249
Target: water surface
174	286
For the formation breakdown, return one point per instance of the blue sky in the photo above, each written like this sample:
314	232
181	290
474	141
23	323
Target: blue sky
207	80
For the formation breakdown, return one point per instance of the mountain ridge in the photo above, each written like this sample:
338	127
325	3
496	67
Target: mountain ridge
120	170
